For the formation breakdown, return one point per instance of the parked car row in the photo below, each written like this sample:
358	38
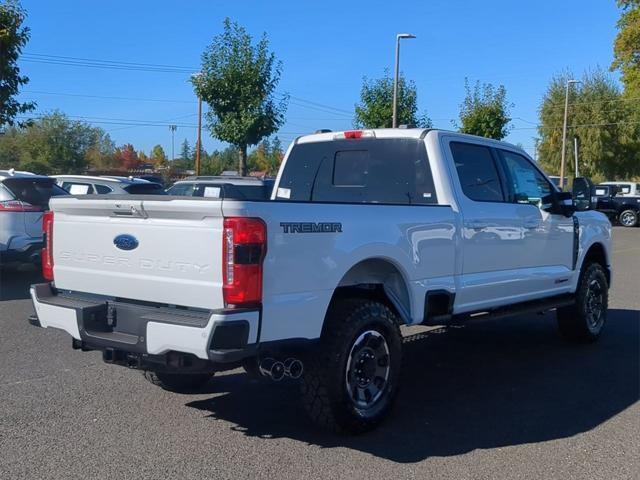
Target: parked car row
24	197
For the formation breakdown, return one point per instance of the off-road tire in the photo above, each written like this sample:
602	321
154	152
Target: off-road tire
178	382
628	218
576	322
350	325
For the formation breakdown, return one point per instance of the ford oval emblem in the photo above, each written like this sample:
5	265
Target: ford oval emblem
126	242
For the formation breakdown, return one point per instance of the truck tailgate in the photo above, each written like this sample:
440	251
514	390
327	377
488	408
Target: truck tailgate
157	249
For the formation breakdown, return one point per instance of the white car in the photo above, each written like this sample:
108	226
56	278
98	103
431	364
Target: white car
626	189
365	231
89	185
23	199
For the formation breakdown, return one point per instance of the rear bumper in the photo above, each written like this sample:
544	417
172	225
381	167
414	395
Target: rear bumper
142	332
29	253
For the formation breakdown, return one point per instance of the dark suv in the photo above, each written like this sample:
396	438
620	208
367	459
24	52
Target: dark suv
224	186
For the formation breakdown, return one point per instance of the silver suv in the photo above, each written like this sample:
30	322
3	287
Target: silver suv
87	185
23	198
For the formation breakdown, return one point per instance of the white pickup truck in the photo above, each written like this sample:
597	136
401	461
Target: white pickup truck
365	231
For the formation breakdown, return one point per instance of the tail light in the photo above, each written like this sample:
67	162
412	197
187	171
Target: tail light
244	245
47	251
18	206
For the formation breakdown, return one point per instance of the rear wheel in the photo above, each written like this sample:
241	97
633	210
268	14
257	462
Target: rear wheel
584	320
350	386
178	382
628	218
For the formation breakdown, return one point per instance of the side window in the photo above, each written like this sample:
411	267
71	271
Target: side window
183	189
75	188
528	184
102	189
477	172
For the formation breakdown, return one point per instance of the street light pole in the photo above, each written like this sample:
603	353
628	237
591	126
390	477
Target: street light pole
173	129
564	130
394	121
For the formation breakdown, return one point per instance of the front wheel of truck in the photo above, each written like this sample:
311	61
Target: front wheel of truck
178	382
350	385
583	321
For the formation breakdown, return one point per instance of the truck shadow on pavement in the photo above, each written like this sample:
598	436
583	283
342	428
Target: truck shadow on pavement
481	386
15	283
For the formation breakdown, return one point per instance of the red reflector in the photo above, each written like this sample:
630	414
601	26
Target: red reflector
47	251
353	134
17	206
244	244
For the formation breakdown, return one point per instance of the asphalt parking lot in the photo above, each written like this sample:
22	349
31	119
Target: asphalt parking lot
501	399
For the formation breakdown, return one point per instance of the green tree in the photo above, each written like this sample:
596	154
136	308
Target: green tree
375	109
608	142
13	38
485	111
218	162
185	160
55	144
158	157
626	49
238	80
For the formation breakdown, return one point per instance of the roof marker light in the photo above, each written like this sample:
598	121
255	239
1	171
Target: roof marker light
355	134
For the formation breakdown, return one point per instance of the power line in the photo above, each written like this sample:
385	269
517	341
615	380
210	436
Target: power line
106	97
585	125
157	68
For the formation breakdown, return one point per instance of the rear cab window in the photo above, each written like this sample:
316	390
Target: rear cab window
387	171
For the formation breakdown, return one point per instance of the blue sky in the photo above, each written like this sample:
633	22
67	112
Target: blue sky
326	48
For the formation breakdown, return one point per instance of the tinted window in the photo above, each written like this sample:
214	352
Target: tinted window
35	192
102	189
477	172
182	189
527	183
350	168
394	171
145	189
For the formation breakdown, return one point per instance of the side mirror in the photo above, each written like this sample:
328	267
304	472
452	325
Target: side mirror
558	203
583	193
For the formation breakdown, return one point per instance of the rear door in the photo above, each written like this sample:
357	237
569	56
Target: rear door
34	193
492	231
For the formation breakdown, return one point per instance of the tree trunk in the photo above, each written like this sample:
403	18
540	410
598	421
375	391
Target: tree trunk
242	163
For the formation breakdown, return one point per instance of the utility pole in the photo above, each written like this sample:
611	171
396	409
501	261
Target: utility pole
394	120
564	130
195	78
575	150
173	129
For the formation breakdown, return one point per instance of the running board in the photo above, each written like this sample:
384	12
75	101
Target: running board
534	306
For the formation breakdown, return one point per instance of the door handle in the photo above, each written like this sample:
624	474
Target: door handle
533	223
477	225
